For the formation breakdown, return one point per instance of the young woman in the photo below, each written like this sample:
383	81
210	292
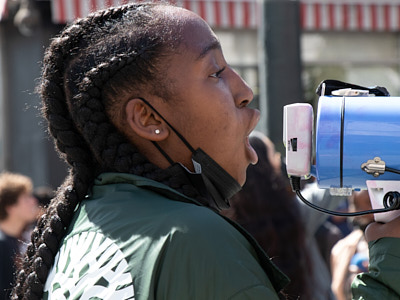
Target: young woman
155	127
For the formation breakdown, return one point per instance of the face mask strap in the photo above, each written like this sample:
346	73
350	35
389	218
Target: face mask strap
163	153
174	130
216	181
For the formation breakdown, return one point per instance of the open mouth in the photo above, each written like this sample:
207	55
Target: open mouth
251	153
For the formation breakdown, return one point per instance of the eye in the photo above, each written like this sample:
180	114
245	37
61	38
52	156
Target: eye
218	73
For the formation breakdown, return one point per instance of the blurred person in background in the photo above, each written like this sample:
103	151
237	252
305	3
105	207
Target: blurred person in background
270	213
18	209
343	224
322	234
329	233
350	255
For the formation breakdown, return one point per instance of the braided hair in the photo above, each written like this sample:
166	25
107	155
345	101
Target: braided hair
95	62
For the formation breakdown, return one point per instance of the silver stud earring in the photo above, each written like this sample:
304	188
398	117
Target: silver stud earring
157	131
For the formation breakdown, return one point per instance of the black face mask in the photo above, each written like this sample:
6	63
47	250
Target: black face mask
209	176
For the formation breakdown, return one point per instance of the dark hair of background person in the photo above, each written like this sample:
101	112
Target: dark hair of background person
94	63
44	194
271	214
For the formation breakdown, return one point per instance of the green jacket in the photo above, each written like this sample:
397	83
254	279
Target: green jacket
134	238
382	281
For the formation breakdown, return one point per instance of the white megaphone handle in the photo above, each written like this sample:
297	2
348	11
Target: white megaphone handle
297	138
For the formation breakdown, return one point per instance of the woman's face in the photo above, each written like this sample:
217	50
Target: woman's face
210	101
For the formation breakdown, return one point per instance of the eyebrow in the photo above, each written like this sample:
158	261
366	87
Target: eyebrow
214	45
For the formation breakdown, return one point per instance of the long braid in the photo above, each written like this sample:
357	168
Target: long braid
76	110
51	226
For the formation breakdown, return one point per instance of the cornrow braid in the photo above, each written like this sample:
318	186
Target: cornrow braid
105	141
108	145
115	50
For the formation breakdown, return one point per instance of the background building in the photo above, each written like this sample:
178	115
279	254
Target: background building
350	40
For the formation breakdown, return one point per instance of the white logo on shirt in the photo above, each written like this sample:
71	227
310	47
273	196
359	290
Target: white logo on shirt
89	266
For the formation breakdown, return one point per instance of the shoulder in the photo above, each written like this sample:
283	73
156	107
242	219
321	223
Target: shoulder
206	249
6	239
182	242
202	227
199	218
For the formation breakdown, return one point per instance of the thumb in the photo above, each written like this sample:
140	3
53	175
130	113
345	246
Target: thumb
377	230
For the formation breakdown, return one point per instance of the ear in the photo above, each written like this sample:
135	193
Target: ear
144	121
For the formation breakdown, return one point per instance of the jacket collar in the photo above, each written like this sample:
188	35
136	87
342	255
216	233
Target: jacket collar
145	183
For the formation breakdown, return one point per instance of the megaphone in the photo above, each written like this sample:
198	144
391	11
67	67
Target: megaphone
357	144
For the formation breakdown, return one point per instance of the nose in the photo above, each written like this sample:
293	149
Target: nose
241	91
